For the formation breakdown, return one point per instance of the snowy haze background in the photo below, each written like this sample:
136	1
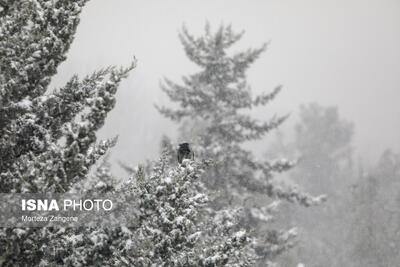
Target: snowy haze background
343	52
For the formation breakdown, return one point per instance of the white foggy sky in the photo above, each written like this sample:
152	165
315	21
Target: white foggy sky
341	52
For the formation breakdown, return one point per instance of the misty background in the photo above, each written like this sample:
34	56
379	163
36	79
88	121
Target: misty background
342	53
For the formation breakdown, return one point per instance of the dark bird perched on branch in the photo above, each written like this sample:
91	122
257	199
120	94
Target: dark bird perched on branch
184	152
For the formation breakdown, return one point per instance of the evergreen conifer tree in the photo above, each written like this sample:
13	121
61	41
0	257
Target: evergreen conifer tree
211	107
47	137
174	226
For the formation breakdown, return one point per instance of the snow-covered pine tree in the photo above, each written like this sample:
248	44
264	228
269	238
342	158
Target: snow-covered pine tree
174	228
47	137
212	106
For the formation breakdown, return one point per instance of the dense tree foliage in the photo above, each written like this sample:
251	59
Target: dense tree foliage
171	226
47	137
175	228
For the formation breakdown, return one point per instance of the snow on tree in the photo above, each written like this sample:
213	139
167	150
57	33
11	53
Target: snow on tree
47	137
211	107
174	227
102	180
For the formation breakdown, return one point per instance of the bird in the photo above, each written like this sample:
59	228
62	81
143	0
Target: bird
184	152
